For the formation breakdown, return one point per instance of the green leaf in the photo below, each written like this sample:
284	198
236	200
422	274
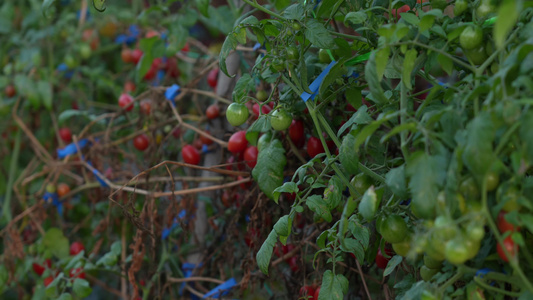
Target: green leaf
373	80
395	261
427	174
382	58
369	204
410	18
333	287
355	17
143	66
446	63
47	4
408	65
230	43
268	173
288	187
242	87
507	16
317	34
240	34
282	226
396	181
294	12
65	296
526	136
319	206
350	245
203	7
99	5
45	90
81	288
359	232
478	153
116	248
348	154
264	254
321	240
333	192
56	243
360	117
426	22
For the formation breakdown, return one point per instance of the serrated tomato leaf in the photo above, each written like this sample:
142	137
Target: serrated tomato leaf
268	173
333	287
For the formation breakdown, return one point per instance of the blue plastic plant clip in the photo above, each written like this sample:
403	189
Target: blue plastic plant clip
71	148
53	198
98	176
221	290
171	93
315	85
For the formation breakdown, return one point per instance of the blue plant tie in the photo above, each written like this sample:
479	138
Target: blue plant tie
71	148
257	46
54	199
130	40
98	176
315	85
221	290
205	149
247	218
121	39
134	31
171	93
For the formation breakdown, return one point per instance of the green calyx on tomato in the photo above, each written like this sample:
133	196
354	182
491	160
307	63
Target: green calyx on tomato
471	37
237	114
394	229
280	120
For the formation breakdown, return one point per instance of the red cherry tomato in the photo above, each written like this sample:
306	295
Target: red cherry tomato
212	78
141	142
250	156
307	292
127	55
65	134
317	292
296	131
212	111
62	189
205	140
244	185
10	91
129	87
125	101
185	48
237	142
151	33
265	110
171	68
293	263
396	12
77	273
504	225
48	280
136	55
226	199
76	248
39	269
314	146
190	155
510	246
381	261
146	107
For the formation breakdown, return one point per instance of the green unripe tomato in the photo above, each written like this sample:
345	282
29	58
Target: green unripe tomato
292	53
50	188
323	56
471	37
484	9
85	51
278	65
261	95
456	251
432	263
237	114
477	55
402	248
394	229
296	26
460	7
280	120
70	61
427	273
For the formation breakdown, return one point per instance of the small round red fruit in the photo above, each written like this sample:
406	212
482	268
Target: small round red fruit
296	131
76	248
314	146
146	107
127	55
10	91
125	101
212	111
510	246
381	261
212	78
129	87
48	280
136	55
65	134
141	142
190	155
307	292
504	225
62	189
237	142
250	156
77	273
